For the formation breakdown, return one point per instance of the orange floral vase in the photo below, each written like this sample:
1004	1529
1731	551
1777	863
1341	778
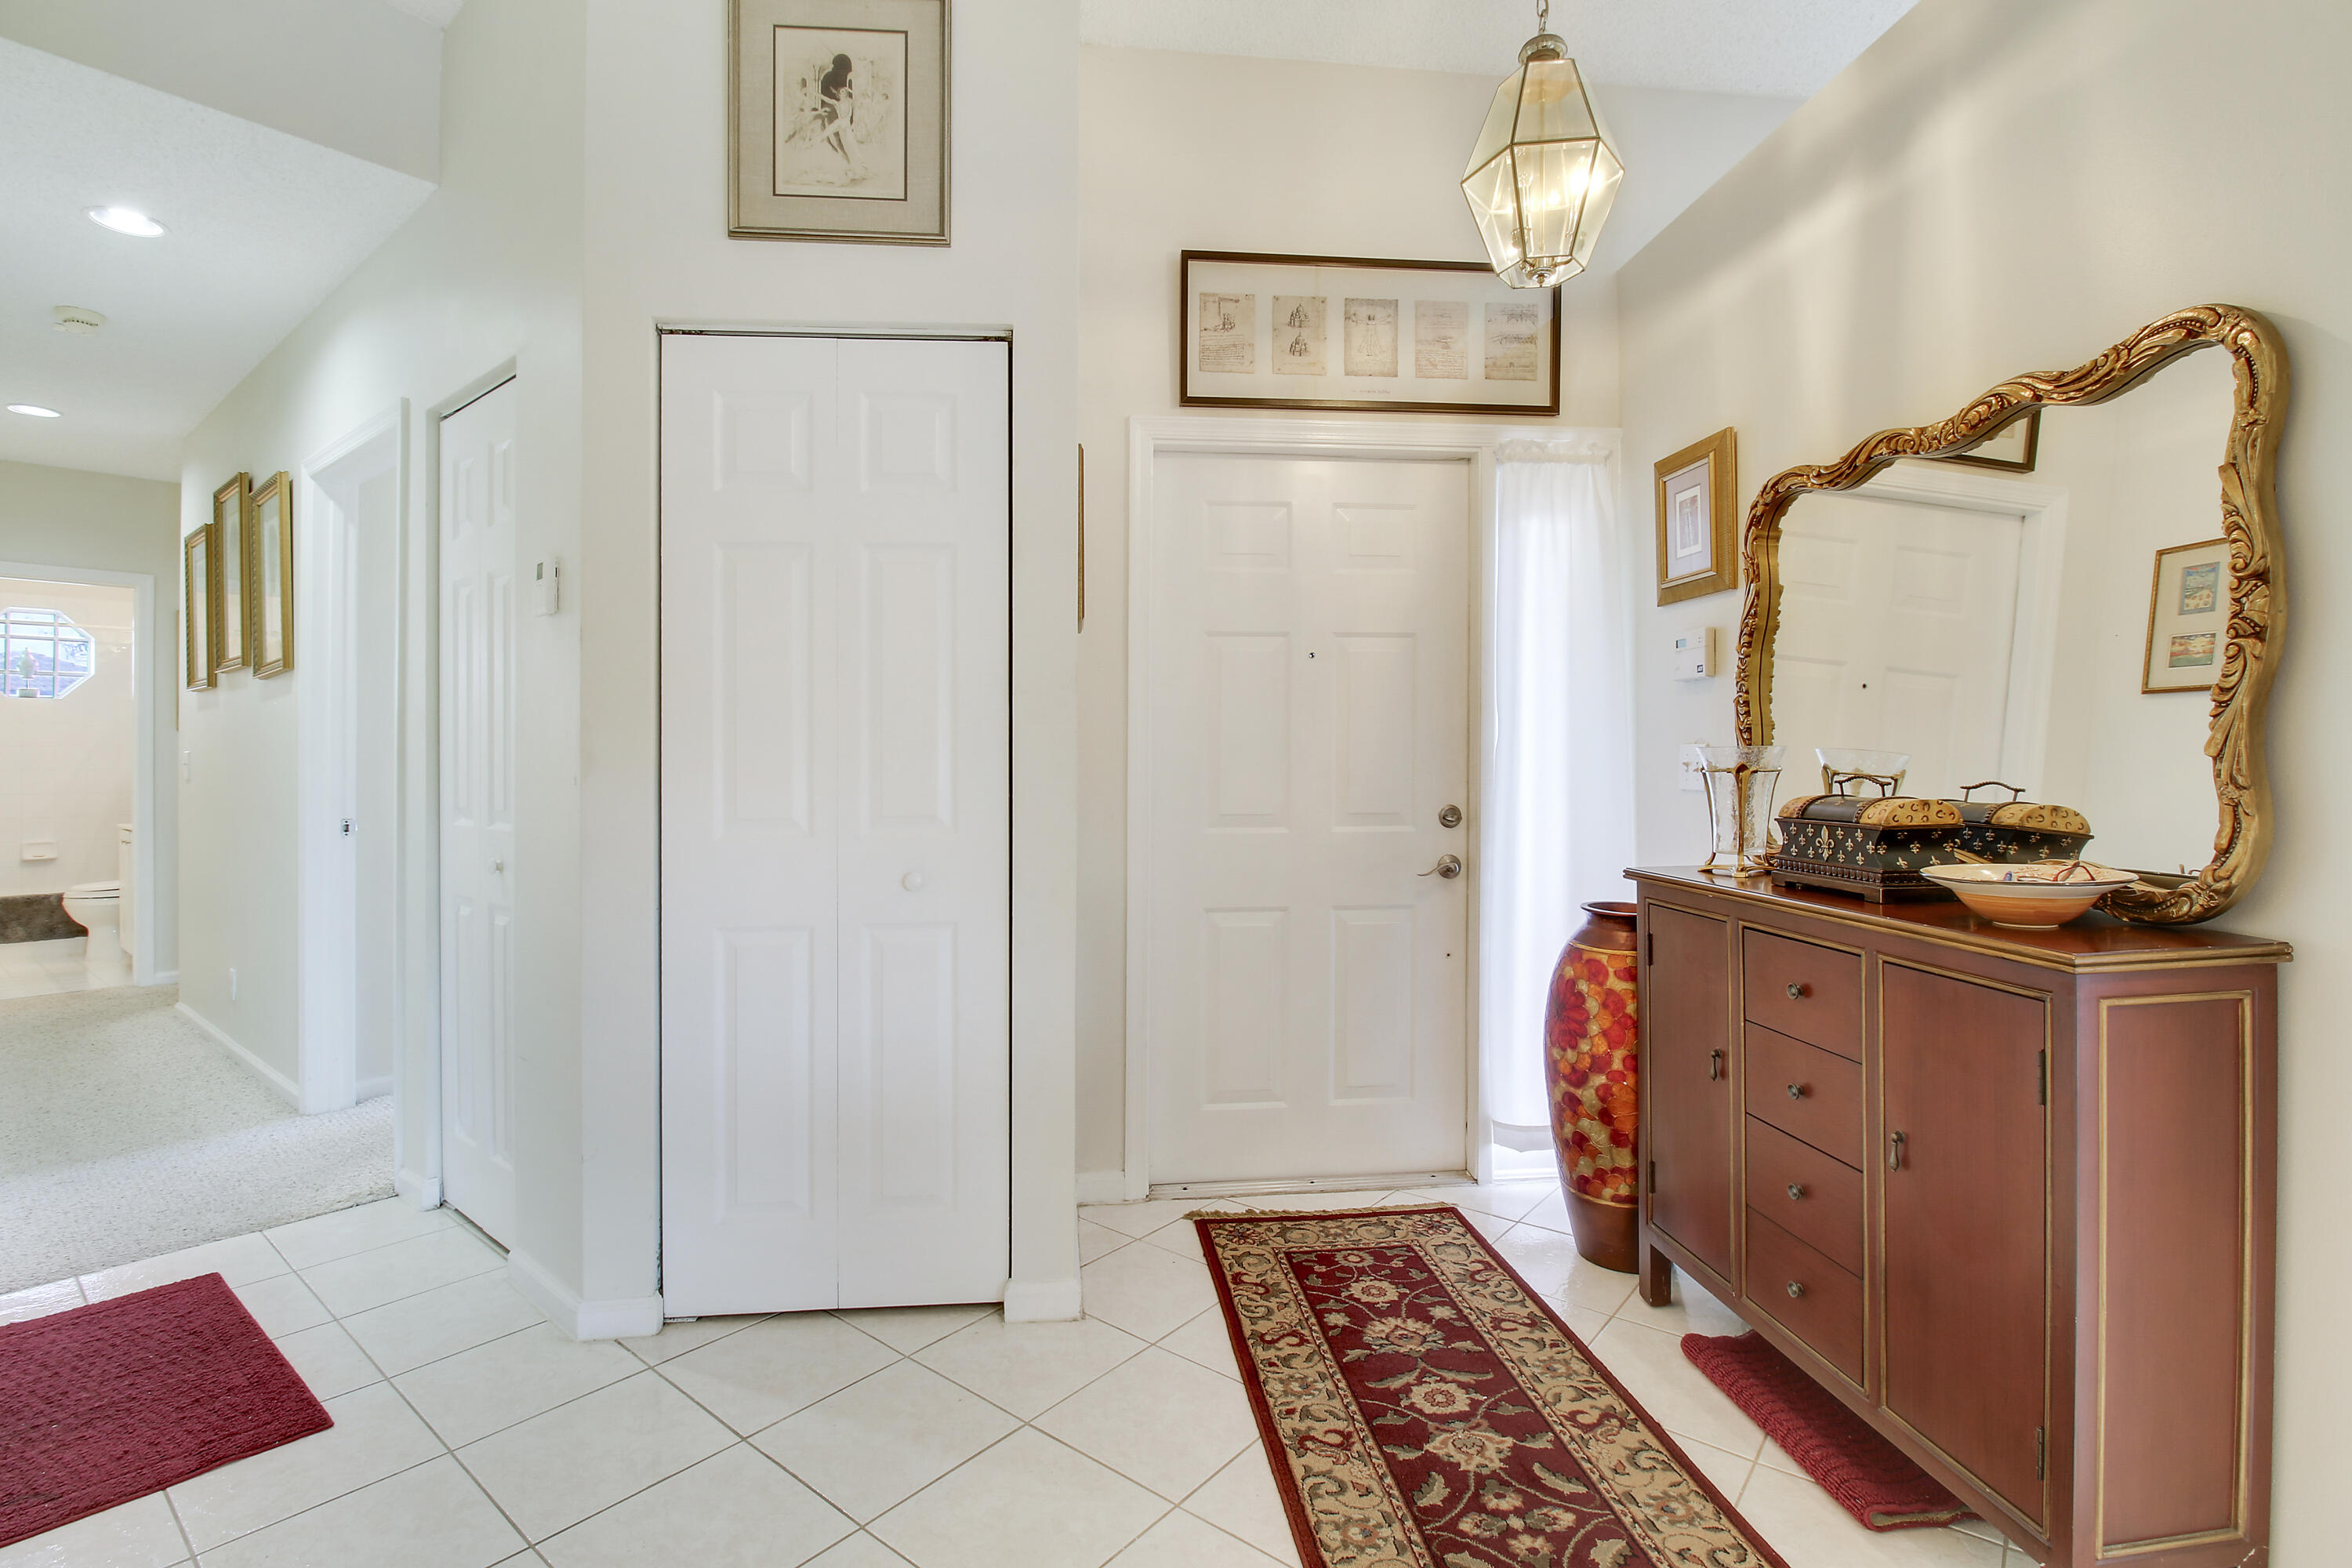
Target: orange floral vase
1590	1033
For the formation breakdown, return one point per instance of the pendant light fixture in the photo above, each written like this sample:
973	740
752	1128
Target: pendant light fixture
1543	176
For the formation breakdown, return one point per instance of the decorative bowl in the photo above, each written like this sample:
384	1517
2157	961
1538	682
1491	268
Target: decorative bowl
2031	897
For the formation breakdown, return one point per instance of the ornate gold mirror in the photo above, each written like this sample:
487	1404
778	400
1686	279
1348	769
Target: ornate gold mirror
2087	617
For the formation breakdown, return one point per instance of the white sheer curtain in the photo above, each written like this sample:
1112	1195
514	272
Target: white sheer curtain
1557	825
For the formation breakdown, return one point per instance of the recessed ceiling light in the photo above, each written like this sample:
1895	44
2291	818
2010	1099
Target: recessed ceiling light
32	410
126	220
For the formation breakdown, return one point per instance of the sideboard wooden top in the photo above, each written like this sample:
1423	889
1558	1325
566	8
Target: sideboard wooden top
2089	942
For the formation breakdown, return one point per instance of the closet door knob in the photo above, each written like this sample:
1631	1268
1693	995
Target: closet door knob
1796	1189
1795	1289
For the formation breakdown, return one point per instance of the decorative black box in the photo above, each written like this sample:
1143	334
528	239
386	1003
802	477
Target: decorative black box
2014	831
1854	843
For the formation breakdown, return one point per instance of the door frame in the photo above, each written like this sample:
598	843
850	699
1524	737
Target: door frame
1147	438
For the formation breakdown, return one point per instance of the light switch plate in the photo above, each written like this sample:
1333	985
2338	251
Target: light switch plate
546	587
1692	779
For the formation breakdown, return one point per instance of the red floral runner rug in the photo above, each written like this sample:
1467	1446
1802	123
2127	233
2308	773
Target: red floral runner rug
1422	1407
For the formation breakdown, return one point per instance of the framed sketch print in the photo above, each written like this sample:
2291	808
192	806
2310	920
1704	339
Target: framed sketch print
196	595
1698	507
2011	446
2187	618
837	120
271	601
1324	331
232	519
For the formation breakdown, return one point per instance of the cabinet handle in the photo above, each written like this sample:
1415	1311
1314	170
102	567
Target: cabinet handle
1894	1142
1796	1191
1713	1066
1795	1289
1796	1092
1798	992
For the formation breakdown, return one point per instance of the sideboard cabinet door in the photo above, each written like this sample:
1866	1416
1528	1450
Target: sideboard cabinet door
1687	1027
1964	1147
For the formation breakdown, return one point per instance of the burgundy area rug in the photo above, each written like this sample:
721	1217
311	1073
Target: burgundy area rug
1870	1477
1419	1403
121	1398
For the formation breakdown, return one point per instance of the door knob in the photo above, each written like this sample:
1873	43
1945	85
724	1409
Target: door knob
1796	1092
1796	1191
912	881
1449	817
1797	993
1448	867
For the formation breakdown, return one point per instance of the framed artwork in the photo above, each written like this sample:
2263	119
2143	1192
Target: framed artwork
2011	446
1699	503
2187	618
1327	331
232	524
270	603
837	120
196	595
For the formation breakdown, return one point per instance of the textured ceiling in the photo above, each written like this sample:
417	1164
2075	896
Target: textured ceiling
1785	49
261	226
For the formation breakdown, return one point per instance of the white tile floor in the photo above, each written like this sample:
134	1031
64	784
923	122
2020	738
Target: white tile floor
45	968
469	1433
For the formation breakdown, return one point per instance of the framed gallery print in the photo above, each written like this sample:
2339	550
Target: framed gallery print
197	589
1699	503
2187	618
837	120
232	518
271	603
1326	331
2011	446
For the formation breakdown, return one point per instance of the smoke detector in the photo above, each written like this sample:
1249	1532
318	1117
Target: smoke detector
76	319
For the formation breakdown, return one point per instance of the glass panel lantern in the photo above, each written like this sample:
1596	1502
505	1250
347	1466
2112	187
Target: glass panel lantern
1542	177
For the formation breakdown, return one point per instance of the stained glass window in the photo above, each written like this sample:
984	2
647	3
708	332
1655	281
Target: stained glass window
42	654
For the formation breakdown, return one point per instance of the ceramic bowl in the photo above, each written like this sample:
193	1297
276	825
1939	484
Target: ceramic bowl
2033	897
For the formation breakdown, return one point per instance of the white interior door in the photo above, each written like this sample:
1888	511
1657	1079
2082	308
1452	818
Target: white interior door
836	824
478	864
1896	624
1307	691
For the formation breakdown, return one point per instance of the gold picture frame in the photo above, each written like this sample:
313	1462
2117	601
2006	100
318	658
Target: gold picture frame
2187	618
270	602
232	640
1697	497
838	120
196	591
2012	448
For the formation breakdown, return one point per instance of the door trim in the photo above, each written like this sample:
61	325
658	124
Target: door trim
1147	438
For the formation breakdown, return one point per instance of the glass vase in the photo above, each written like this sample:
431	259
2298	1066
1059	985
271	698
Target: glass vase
1741	782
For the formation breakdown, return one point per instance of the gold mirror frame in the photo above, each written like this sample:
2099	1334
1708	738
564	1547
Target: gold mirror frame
2249	520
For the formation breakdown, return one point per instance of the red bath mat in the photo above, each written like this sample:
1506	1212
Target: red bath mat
1870	1477
121	1398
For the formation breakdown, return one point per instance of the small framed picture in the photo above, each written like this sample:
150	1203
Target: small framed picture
2011	446
271	601
1698	505
198	592
232	522
838	125
2187	618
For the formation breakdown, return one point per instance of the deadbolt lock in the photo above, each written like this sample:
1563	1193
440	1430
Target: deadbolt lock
1449	817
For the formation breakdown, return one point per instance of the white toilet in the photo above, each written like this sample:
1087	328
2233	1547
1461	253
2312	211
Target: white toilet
96	908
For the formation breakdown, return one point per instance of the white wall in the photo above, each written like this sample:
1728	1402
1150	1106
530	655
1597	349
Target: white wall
2004	185
67	519
1218	153
66	766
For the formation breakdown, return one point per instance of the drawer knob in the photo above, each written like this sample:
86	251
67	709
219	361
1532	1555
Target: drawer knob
1894	1142
1714	1067
1796	1092
1797	990
1795	1289
1796	1189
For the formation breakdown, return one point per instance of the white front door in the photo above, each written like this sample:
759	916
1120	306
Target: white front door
1897	621
836	823
478	837
1307	704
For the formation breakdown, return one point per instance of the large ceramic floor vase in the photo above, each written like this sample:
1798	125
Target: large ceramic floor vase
1590	1062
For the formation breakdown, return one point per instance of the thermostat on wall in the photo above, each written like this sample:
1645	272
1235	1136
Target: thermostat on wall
546	587
1695	653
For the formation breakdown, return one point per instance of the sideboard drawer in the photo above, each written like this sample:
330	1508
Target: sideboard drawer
1807	992
1806	1092
1805	1191
1806	1293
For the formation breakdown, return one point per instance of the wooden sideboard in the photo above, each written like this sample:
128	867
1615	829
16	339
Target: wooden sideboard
2007	1194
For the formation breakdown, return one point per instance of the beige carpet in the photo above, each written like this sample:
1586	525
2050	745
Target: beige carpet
125	1132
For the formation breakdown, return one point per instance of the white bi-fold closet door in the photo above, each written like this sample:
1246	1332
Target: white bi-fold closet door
837	822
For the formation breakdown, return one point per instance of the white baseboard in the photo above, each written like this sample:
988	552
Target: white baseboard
613	1320
425	1192
1040	1300
369	1088
165	977
1102	1186
287	1088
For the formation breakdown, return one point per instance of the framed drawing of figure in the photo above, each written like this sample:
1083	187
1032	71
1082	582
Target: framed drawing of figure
271	604
838	124
232	522
1698	501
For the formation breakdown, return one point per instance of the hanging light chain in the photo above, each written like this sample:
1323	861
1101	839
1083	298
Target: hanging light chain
1543	15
